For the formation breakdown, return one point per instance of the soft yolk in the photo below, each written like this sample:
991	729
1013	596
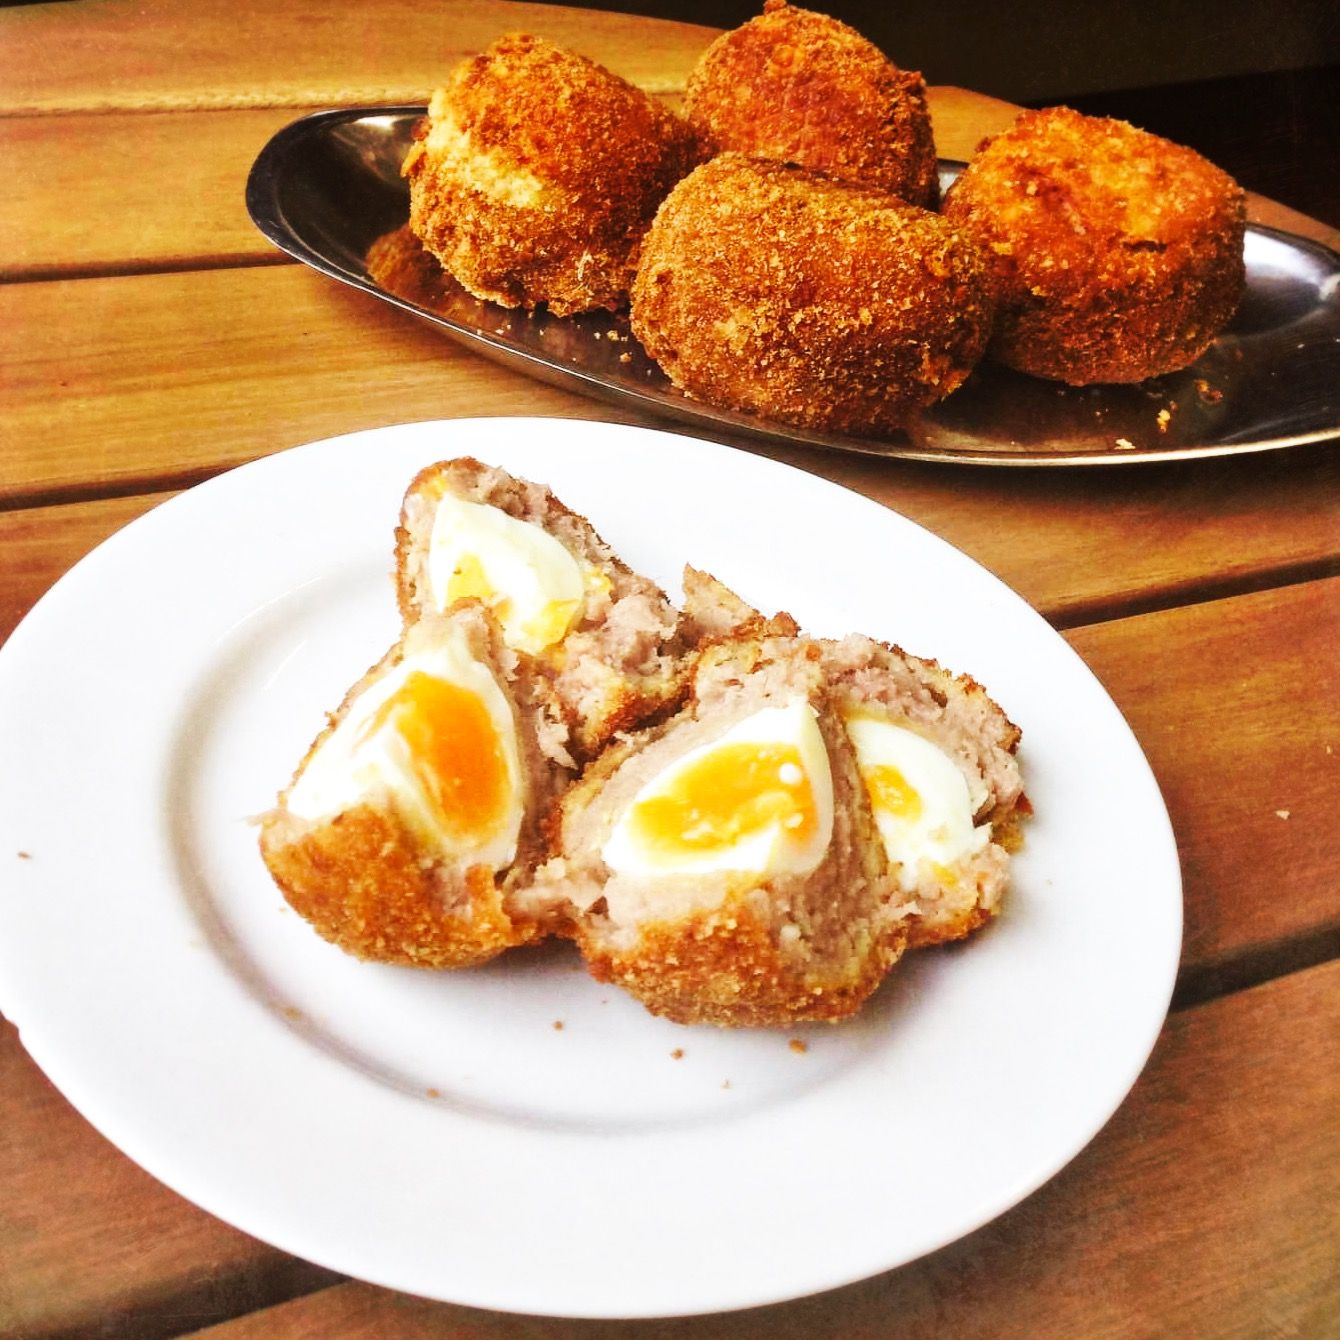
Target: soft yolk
729	794
543	629
454	747
550	623
890	792
469	579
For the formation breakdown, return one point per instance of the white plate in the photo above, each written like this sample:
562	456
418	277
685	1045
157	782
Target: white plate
437	1133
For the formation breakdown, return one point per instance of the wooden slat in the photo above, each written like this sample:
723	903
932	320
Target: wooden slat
164	378
1209	1206
1230	746
165	190
1237	705
90	1244
1085	545
88	193
40	543
105	55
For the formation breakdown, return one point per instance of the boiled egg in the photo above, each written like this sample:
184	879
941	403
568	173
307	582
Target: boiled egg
758	799
920	800
435	737
534	586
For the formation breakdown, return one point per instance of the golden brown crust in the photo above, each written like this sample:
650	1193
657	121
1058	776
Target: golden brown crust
793	86
1115	255
362	882
724	967
771	290
712	611
538	172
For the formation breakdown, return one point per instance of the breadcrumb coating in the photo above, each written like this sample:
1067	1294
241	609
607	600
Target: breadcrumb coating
537	172
768	289
361	881
1115	255
794	86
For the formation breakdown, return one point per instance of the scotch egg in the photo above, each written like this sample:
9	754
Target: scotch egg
411	828
604	643
938	763
435	738
724	866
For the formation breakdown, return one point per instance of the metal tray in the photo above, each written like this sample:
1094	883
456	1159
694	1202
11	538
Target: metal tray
327	188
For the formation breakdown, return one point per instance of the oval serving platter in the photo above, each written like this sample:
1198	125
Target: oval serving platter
327	190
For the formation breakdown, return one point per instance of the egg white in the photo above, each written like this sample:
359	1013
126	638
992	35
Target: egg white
355	763
942	834
534	586
770	851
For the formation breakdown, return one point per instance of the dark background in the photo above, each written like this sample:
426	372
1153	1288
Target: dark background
1253	86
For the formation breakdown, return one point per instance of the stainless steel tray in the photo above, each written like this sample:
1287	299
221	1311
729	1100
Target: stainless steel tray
328	187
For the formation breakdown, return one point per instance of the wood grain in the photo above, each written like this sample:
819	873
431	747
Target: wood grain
90	1244
40	544
110	55
124	191
167	378
1207	1207
1237	705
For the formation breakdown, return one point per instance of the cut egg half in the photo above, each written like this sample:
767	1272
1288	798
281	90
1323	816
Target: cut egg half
436	737
758	799
920	798
533	585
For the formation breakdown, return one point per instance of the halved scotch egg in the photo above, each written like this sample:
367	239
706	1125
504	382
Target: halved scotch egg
413	822
937	758
603	644
724	866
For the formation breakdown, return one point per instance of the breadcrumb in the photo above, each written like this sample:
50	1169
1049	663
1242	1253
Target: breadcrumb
772	290
793	86
536	173
1116	254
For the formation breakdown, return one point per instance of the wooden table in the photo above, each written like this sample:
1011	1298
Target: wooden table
152	338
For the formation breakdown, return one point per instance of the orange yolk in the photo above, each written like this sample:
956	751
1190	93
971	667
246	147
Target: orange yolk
455	751
888	791
732	793
469	579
